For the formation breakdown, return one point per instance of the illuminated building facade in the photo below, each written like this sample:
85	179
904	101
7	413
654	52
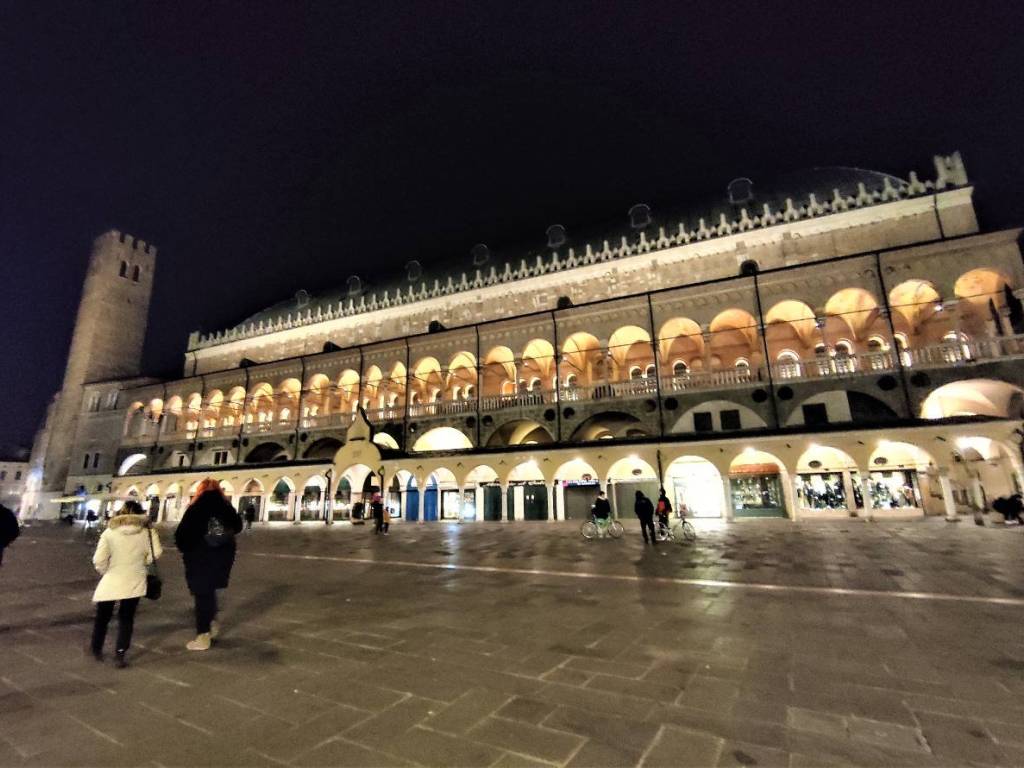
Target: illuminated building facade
849	344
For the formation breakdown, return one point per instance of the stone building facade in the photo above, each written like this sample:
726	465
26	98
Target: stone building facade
848	345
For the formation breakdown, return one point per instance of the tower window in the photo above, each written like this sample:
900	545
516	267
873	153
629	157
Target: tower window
124	269
85	462
95	460
135	273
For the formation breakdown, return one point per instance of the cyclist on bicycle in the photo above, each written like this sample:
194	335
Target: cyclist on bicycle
601	510
663	509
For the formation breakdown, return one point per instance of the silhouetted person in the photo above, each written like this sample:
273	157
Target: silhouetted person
645	512
206	538
9	529
381	518
250	516
601	510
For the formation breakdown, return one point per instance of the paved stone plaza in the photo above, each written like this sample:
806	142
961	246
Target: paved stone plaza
524	645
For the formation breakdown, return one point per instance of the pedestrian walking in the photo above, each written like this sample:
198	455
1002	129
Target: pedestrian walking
250	516
206	539
124	550
645	511
381	517
9	530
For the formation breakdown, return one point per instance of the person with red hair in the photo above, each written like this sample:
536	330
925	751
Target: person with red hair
206	539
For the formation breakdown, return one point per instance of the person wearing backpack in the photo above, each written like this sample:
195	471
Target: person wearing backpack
206	539
663	509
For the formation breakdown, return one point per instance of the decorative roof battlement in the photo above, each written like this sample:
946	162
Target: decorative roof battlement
877	189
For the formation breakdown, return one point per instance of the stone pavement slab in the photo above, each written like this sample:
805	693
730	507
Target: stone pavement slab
764	643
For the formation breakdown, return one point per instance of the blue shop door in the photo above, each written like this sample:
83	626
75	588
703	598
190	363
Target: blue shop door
430	501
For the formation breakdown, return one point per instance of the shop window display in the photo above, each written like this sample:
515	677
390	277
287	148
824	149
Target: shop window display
821	490
757	495
897	489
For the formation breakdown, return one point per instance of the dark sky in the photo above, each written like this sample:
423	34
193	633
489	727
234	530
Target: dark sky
270	147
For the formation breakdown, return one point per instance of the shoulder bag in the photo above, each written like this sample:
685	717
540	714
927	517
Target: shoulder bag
154	584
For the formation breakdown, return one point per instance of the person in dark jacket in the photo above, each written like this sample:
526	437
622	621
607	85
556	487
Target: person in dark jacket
601	510
381	518
9	529
206	538
250	516
645	511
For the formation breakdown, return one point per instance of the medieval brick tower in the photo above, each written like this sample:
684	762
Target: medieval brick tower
106	344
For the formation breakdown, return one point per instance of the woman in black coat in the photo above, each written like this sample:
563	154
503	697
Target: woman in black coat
206	538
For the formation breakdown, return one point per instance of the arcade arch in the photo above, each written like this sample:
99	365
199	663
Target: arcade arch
442	439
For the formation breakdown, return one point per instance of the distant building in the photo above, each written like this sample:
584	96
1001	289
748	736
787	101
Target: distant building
13	474
848	343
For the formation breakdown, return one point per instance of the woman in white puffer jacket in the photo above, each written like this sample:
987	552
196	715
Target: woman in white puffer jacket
124	550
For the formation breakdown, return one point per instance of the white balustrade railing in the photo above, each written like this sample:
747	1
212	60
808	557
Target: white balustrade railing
517	400
442	408
726	379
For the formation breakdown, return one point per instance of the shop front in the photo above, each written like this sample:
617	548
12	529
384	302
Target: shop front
756	491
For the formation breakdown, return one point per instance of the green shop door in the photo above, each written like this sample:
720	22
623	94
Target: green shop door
535	502
492	503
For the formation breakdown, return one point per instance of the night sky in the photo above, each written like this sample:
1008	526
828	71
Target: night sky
270	147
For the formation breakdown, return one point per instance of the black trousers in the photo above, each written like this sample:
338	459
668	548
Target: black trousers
647	524
379	525
206	611
125	623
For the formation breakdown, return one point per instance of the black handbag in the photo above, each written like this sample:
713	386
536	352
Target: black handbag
154	584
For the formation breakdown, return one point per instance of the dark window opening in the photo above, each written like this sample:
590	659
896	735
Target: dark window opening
815	414
124	269
731	419
135	273
702	421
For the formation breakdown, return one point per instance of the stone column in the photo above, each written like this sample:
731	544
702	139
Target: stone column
422	498
947	494
294	500
978	493
462	502
518	502
504	503
551	503
727	511
851	503
609	489
263	509
560	493
865	492
789	497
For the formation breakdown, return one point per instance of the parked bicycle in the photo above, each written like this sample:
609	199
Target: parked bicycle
680	532
598	527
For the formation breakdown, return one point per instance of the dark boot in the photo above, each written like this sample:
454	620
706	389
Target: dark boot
119	660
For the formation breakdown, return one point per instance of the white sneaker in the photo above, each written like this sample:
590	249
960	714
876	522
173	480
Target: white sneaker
201	643
214	629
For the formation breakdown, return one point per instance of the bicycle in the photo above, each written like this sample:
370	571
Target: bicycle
681	532
596	527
